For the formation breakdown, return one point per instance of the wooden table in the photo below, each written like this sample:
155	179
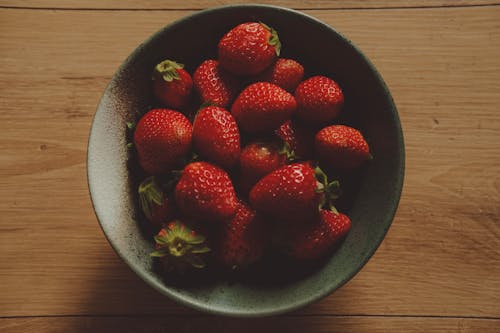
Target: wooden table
438	268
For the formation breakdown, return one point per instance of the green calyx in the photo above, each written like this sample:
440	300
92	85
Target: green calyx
288	152
274	39
131	125
330	190
150	194
130	128
167	69
180	245
206	104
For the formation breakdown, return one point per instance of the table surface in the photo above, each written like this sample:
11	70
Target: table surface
438	268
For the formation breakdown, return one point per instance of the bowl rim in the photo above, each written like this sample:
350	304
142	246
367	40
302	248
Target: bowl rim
207	307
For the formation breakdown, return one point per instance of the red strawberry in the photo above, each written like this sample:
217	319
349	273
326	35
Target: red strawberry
342	147
263	107
300	139
216	136
310	241
257	160
205	192
286	73
172	85
180	247
292	192
249	48
162	137
243	239
319	100
157	207
214	84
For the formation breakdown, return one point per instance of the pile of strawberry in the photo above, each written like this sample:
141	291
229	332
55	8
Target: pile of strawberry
241	176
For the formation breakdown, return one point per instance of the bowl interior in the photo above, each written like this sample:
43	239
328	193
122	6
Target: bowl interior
321	50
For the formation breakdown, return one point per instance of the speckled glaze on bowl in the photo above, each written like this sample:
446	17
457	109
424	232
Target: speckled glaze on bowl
322	50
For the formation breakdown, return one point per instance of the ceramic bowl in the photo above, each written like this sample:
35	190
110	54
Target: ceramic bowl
322	50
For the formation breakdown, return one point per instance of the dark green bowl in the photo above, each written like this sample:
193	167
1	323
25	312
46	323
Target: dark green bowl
321	49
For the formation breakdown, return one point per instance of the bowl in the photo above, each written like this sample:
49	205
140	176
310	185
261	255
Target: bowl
369	107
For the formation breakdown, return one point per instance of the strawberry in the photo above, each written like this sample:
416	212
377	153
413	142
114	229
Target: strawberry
310	241
293	192
342	147
214	84
263	107
286	73
258	159
205	192
172	84
299	137
243	239
216	136
319	100
162	137
157	207
249	48
179	247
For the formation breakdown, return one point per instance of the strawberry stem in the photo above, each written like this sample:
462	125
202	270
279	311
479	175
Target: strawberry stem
333	188
288	152
330	190
274	39
167	69
206	104
180	244
131	125
332	208
150	194
321	176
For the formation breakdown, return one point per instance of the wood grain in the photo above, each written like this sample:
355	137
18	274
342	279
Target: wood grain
185	324
202	4
440	258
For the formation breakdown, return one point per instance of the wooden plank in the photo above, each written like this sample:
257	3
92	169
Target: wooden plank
320	324
202	4
441	257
